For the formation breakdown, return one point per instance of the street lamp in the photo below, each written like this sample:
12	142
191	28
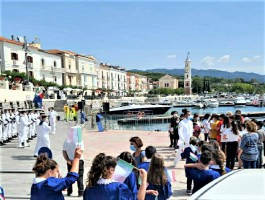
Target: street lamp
26	49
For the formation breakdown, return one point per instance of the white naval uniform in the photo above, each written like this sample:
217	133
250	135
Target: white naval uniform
52	119
1	129
43	138
185	131
9	126
5	126
23	130
13	124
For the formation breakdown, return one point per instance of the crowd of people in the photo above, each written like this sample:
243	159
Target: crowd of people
211	145
216	143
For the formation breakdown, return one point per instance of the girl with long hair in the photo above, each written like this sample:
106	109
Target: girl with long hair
157	179
132	179
233	137
100	184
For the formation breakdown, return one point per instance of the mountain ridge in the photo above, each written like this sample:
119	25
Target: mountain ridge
210	72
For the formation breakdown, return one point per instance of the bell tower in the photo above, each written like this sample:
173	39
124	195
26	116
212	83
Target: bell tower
187	76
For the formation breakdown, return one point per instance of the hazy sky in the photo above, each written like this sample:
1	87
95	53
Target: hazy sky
225	35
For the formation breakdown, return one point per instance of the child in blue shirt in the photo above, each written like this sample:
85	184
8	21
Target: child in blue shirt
205	176
132	180
188	153
149	152
47	184
101	186
157	180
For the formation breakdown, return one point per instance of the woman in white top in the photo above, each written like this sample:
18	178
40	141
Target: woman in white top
226	125
232	136
205	126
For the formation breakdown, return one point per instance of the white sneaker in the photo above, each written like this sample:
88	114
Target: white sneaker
20	146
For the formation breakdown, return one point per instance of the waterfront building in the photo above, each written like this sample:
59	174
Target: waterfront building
168	81
187	76
41	64
141	84
112	79
130	78
87	71
68	64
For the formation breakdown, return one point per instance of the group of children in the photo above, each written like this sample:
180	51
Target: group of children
148	180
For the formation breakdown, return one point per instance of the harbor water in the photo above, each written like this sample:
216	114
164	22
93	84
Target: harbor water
111	122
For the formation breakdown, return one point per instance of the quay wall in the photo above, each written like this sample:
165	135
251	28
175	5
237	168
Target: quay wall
7	95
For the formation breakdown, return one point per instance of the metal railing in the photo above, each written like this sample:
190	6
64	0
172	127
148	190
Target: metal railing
130	121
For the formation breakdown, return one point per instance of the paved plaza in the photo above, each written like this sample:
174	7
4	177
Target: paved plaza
17	185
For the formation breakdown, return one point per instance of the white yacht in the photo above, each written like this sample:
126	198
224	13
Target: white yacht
213	103
146	108
240	101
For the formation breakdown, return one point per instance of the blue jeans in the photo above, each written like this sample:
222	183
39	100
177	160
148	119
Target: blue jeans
249	164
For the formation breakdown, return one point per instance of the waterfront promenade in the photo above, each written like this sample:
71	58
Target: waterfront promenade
17	185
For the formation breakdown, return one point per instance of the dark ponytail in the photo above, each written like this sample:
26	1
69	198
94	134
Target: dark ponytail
43	164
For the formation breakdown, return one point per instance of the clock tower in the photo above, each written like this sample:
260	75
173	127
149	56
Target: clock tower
187	76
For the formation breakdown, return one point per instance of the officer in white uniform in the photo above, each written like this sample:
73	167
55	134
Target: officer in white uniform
9	126
13	122
43	138
5	126
185	128
23	129
53	115
1	128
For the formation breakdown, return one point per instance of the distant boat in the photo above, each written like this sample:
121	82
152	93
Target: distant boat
154	109
213	103
240	101
198	105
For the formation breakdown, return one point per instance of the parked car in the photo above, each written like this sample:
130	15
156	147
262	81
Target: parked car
242	184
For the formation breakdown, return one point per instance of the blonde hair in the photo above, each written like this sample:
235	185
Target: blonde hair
156	173
251	126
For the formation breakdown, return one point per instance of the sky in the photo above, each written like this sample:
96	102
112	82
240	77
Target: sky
224	35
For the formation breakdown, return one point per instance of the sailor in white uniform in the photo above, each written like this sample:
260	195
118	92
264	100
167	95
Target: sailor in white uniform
5	126
43	138
185	128
23	129
1	128
53	114
9	126
13	123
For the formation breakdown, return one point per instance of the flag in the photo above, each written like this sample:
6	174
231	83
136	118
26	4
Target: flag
171	175
122	171
193	157
75	135
39	93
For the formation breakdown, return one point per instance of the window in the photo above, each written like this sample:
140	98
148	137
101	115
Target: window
187	84
69	66
42	62
14	56
54	64
55	78
30	59
187	76
166	84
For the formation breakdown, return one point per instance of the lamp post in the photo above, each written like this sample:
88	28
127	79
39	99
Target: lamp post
26	49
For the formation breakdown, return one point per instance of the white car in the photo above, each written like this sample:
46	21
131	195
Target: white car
245	184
